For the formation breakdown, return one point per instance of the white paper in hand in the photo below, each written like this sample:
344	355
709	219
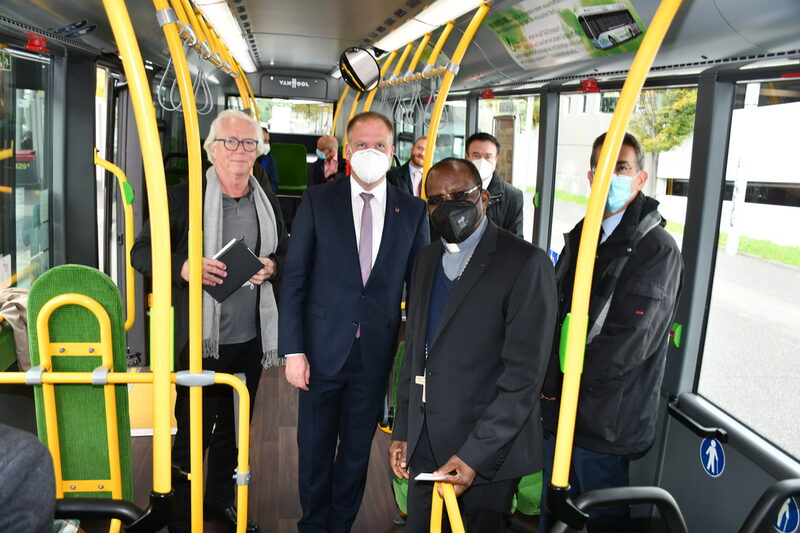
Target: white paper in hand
429	476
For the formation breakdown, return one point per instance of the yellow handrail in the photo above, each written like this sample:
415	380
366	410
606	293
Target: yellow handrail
385	67
453	513
126	191
353	108
401	62
8	152
421	48
576	337
103	348
161	313
195	258
440	43
339	105
447	81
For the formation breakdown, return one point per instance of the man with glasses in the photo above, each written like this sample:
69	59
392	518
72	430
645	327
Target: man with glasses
637	276
240	334
353	245
480	322
505	200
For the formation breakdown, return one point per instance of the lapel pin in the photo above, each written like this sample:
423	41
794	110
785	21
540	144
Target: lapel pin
396	209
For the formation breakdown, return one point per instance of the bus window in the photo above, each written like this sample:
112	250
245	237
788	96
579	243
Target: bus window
450	139
25	169
749	366
302	117
519	145
662	121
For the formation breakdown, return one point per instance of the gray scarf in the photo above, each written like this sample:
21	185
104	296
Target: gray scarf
212	241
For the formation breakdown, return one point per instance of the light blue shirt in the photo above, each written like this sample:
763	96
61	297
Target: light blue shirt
610	224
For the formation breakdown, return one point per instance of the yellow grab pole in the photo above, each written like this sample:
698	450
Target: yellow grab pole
127	197
385	67
440	43
249	91
353	108
243	468
421	48
192	127
441	98
578	318
453	512
339	105
161	312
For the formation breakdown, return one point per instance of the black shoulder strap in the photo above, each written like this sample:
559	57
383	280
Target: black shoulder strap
610	279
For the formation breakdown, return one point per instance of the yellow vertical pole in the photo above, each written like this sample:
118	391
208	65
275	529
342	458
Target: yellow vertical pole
192	127
161	312
441	98
402	60
339	105
576	336
384	68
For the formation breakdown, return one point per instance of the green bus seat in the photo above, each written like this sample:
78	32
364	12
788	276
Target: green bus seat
292	167
80	409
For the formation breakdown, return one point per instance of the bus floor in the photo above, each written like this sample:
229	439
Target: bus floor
274	500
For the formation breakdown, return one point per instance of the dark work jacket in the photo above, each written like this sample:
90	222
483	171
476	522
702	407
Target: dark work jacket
505	205
142	260
624	364
487	359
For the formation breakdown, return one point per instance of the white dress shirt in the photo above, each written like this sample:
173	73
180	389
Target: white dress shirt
378	205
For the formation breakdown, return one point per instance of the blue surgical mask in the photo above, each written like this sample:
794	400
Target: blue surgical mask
619	192
321	154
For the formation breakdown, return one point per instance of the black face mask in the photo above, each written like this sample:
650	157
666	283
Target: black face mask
455	220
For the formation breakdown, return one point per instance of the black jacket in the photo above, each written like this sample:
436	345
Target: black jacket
624	364
318	169
487	360
505	205
400	178
142	259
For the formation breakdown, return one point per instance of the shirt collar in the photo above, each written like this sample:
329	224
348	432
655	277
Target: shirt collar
413	169
378	192
610	224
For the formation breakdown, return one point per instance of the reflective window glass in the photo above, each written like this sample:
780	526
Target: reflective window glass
302	117
25	169
662	122
515	123
750	359
452	127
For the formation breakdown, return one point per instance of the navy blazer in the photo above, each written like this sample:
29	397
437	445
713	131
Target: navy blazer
323	299
401	177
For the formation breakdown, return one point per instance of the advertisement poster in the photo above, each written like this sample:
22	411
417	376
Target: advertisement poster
538	34
503	128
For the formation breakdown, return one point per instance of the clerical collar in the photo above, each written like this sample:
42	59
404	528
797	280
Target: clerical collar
456	256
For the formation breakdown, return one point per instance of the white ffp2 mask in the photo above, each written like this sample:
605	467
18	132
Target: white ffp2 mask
369	165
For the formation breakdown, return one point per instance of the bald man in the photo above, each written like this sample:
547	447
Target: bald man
330	163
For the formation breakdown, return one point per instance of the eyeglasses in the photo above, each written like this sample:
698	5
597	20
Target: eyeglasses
232	144
459	196
621	168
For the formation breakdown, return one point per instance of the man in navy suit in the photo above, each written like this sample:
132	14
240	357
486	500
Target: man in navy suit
408	177
353	245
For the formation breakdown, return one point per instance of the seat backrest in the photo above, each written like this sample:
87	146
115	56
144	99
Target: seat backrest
292	167
81	408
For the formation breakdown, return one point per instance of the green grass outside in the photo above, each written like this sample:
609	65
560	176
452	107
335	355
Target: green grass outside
788	255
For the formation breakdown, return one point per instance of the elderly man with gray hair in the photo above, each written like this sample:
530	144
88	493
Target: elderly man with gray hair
240	333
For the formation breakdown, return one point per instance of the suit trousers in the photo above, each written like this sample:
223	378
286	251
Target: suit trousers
219	435
485	507
589	471
344	407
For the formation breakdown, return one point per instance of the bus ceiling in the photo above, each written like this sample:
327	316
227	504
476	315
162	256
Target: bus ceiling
505	52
